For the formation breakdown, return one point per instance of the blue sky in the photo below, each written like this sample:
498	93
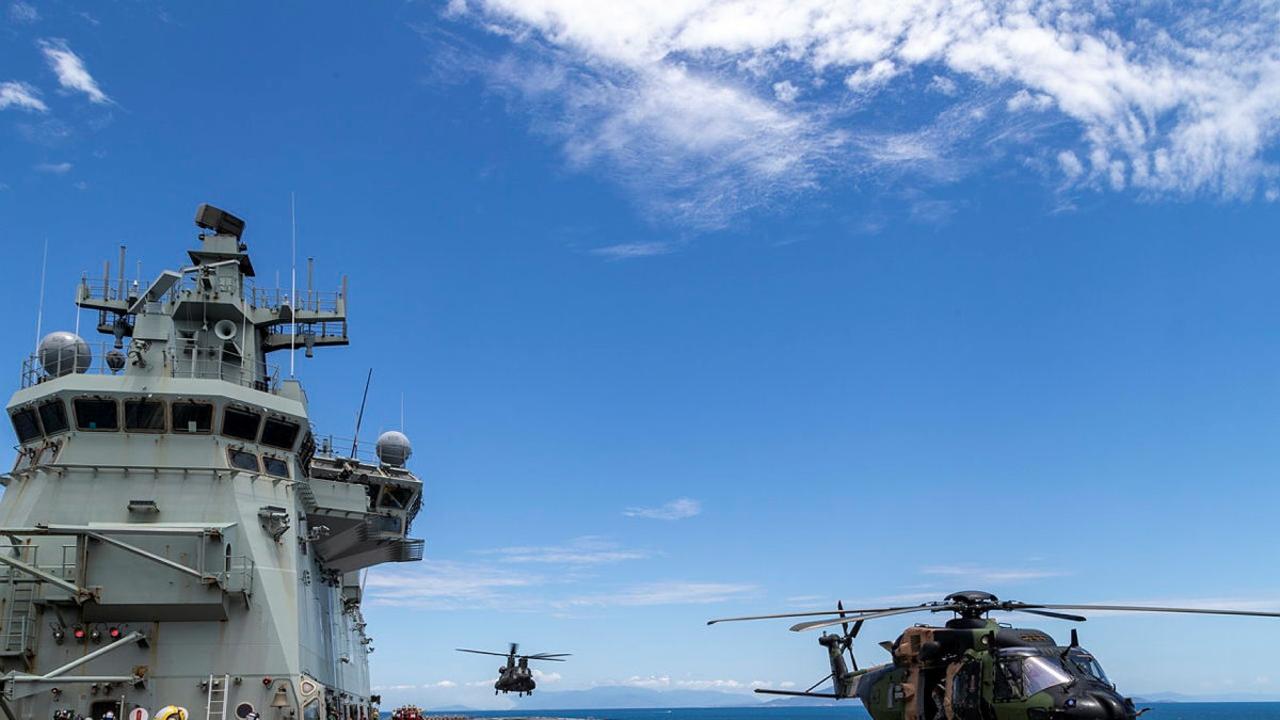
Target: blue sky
727	307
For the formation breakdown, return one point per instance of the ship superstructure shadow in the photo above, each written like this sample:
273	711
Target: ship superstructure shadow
174	533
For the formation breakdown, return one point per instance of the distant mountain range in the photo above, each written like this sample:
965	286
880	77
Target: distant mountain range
621	697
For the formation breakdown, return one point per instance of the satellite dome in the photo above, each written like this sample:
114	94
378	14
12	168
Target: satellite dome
394	448
62	353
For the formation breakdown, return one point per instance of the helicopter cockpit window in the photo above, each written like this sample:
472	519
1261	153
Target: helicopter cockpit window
1021	676
1088	665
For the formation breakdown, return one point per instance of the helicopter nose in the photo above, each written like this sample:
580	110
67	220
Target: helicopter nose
1098	706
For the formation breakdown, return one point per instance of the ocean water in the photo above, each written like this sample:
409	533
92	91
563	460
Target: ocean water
1159	711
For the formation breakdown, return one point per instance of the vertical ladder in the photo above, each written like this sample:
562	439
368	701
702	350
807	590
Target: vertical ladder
19	617
216	705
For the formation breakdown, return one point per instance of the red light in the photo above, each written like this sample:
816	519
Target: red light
114	633
266	682
78	632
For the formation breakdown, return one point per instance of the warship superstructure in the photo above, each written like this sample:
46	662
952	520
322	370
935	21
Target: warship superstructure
175	540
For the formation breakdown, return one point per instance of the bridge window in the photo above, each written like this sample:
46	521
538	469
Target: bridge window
192	417
144	415
53	415
242	460
241	424
275	467
279	433
97	414
25	424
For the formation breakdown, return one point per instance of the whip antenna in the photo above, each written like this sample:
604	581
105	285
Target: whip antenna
293	283
44	262
355	442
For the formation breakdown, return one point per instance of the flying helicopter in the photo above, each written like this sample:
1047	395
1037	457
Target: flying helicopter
516	676
973	668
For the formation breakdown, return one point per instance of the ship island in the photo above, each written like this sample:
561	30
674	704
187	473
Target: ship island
177	541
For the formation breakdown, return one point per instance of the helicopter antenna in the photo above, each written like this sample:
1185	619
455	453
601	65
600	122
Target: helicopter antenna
355	441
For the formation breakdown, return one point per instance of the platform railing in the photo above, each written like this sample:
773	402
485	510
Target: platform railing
184	358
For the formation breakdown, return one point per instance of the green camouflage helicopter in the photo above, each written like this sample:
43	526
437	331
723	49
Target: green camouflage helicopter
973	668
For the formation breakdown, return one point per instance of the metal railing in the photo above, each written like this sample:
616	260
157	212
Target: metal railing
333	446
306	300
183	358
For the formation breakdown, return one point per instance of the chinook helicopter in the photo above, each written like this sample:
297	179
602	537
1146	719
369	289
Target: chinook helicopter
516	676
973	668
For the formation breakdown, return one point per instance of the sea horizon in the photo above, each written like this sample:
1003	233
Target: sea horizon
1189	710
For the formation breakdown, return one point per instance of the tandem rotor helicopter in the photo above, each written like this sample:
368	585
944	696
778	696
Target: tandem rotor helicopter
516	676
973	668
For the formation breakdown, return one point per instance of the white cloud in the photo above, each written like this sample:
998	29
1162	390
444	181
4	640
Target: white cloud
872	77
677	509
445	585
70	69
786	91
587	550
61	168
667	593
23	12
944	85
1070	164
1023	100
547	677
444	684
629	251
681	99
22	96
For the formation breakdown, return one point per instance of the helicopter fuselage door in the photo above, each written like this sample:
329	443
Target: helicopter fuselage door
964	690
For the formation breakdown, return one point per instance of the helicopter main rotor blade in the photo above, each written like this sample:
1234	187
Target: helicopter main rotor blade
534	657
1153	609
815	613
815	624
543	656
1046	613
481	652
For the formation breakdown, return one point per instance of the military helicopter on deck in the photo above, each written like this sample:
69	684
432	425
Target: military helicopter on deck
516	676
973	668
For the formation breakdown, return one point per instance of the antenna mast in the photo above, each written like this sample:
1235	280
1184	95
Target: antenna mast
355	442
44	262
293	284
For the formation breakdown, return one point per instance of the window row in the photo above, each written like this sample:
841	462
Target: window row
244	460
96	414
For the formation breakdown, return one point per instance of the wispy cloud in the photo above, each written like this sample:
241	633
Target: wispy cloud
979	574
677	509
20	95
61	168
70	69
711	107
630	251
445	585
667	593
586	550
666	682
22	12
